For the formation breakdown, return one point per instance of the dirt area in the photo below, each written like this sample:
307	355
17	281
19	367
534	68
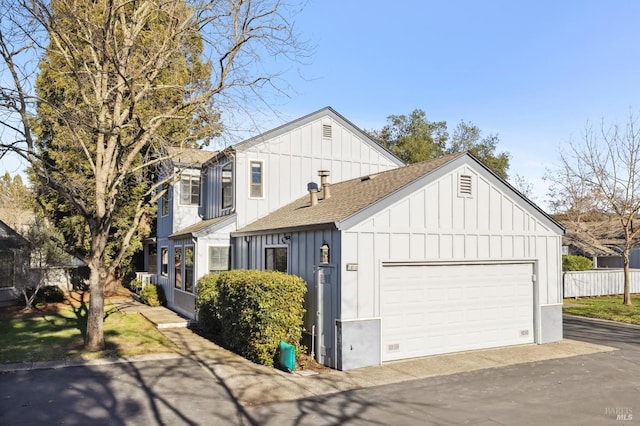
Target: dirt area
74	299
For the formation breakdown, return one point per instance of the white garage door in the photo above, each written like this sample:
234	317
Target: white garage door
434	309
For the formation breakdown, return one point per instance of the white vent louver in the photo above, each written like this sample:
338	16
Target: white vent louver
326	131
465	188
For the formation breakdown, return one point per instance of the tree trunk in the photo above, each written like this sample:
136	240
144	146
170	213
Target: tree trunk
627	278
94	338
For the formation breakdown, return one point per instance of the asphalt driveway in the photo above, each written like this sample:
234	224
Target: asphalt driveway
596	389
601	388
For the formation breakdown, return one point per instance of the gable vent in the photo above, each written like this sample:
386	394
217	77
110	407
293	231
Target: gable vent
326	131
465	189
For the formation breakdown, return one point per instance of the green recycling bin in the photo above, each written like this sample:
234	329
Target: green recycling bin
287	356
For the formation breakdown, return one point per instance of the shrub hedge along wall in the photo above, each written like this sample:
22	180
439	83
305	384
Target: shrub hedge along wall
576	263
252	311
153	295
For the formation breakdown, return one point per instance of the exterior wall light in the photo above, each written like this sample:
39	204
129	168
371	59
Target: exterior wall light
324	254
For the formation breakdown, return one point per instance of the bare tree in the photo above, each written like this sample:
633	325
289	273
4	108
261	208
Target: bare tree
38	261
118	56
598	180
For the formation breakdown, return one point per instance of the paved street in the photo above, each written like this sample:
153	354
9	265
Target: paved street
586	389
582	390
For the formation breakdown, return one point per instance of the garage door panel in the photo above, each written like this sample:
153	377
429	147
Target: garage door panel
428	310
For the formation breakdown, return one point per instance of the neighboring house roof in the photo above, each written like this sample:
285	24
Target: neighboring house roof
350	198
326	111
204	227
10	239
595	237
189	157
17	219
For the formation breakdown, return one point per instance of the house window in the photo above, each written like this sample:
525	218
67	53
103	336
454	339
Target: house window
164	261
164	200
6	269
177	256
219	258
227	186
256	179
190	190
276	259
189	278
152	258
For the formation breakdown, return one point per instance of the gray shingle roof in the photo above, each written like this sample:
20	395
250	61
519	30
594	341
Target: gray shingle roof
189	156
347	198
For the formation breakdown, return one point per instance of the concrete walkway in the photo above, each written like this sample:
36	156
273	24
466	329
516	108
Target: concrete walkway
253	384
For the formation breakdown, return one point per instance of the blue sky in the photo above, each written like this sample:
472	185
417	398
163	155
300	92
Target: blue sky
533	72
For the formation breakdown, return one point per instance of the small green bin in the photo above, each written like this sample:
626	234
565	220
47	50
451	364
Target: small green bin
287	356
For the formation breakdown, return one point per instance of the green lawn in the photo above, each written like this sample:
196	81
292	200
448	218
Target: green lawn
48	336
605	307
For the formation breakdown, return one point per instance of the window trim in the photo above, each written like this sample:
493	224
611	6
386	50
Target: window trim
216	246
189	287
224	206
251	184
177	270
164	200
164	267
275	247
190	178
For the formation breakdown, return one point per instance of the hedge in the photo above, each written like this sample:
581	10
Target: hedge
253	311
576	263
208	319
153	295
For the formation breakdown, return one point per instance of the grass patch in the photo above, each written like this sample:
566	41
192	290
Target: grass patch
58	334
605	307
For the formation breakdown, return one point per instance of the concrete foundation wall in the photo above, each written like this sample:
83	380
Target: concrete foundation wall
358	343
550	323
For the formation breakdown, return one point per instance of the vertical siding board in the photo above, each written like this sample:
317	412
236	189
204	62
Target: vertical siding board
471	247
418	246
431	206
445	203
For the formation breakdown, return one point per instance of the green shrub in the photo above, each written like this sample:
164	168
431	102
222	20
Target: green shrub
576	263
153	295
206	299
255	310
134	285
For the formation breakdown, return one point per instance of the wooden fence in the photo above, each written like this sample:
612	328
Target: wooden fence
598	282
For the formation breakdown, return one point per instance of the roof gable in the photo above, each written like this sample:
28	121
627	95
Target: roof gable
354	200
287	127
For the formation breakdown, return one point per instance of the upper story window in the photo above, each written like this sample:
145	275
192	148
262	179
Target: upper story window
164	200
227	186
257	178
190	190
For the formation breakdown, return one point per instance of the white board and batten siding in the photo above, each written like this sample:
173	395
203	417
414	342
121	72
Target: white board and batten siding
462	259
293	158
